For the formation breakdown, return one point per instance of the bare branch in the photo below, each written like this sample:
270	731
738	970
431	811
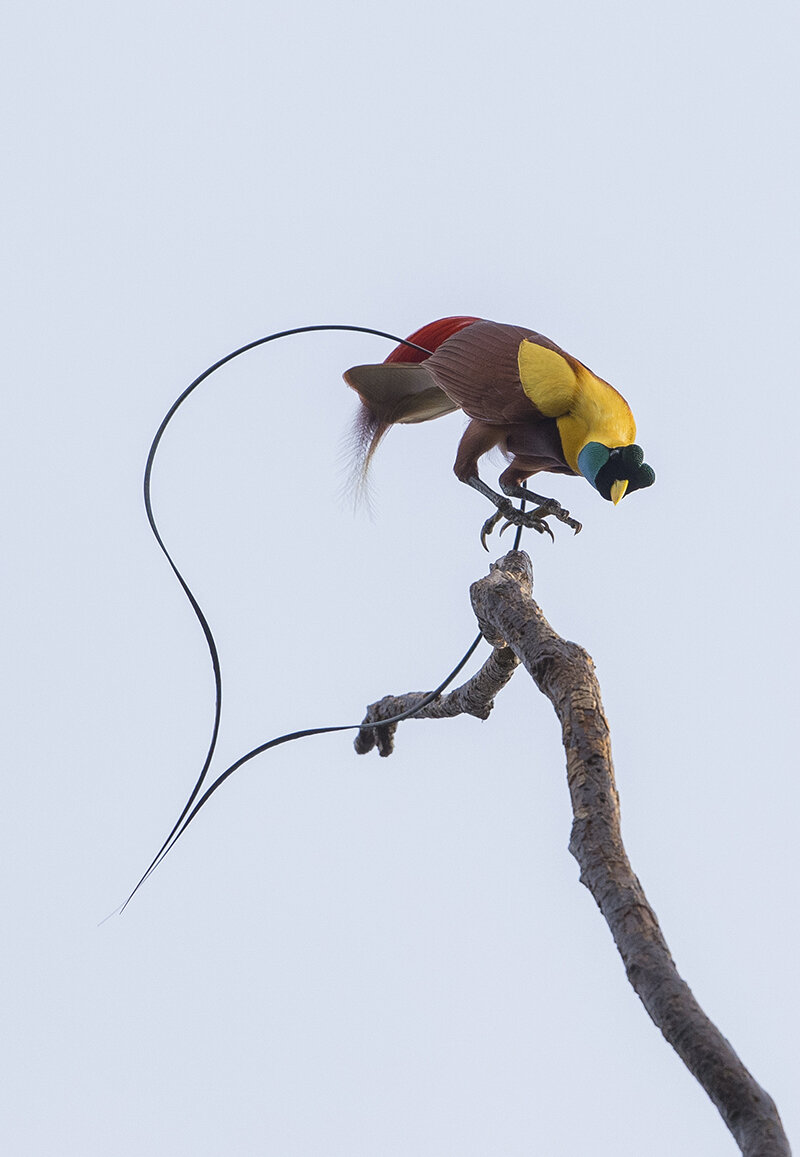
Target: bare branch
512	622
475	697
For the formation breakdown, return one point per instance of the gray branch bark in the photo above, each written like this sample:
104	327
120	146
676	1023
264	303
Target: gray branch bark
514	625
475	697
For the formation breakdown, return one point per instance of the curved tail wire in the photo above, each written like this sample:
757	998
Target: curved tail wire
209	637
191	808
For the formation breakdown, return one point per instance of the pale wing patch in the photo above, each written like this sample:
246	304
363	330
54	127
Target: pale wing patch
389	393
547	379
399	392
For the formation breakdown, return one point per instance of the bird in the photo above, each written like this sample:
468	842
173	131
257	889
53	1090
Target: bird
544	409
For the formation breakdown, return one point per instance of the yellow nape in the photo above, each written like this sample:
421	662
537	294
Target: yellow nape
586	408
618	489
598	414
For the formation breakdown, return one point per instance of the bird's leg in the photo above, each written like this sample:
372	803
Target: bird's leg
535	519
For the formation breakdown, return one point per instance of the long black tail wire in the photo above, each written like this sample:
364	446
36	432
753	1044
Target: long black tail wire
191	808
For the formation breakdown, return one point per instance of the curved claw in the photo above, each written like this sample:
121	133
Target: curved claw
489	526
539	525
551	507
531	519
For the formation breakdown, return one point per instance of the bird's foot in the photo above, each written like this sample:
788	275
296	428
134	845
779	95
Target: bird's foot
531	519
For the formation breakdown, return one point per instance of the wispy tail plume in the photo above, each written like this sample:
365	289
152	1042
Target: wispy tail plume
360	444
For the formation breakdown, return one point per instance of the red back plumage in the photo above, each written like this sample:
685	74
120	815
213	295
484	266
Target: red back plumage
430	336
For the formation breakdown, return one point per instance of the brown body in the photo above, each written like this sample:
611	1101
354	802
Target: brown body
476	369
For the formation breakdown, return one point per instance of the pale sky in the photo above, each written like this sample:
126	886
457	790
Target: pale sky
353	956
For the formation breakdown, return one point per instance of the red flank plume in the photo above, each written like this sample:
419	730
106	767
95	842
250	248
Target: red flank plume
430	336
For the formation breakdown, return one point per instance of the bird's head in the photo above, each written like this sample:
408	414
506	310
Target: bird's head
616	472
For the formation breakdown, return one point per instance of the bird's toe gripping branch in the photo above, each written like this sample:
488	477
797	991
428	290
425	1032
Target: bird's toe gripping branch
531	519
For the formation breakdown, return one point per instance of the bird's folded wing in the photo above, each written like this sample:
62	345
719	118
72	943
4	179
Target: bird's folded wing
399	392
479	369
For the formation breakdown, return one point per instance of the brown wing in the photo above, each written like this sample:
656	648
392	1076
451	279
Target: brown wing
478	368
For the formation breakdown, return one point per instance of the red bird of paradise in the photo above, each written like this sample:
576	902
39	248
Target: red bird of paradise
543	408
